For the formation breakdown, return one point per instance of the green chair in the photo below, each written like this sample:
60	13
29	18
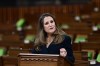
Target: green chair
98	26
20	22
2	51
80	38
30	38
90	55
98	58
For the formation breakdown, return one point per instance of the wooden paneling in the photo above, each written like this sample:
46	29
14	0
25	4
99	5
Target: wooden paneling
11	15
10	61
90	45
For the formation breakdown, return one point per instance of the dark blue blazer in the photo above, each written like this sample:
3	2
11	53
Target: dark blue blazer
55	48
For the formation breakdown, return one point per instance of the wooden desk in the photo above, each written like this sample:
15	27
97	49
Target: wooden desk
10	61
26	59
81	58
81	63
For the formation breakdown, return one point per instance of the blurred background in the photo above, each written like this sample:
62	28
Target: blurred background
80	19
40	2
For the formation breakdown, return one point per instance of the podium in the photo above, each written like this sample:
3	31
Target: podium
28	59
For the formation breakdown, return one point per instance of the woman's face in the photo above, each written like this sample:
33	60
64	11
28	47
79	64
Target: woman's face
49	25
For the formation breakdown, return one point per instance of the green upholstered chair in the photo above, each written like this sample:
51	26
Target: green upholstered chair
90	54
98	26
98	58
30	38
80	38
20	22
2	51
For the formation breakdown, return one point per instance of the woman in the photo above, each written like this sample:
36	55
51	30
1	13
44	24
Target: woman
51	39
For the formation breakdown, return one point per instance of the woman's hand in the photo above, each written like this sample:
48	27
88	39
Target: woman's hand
63	52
